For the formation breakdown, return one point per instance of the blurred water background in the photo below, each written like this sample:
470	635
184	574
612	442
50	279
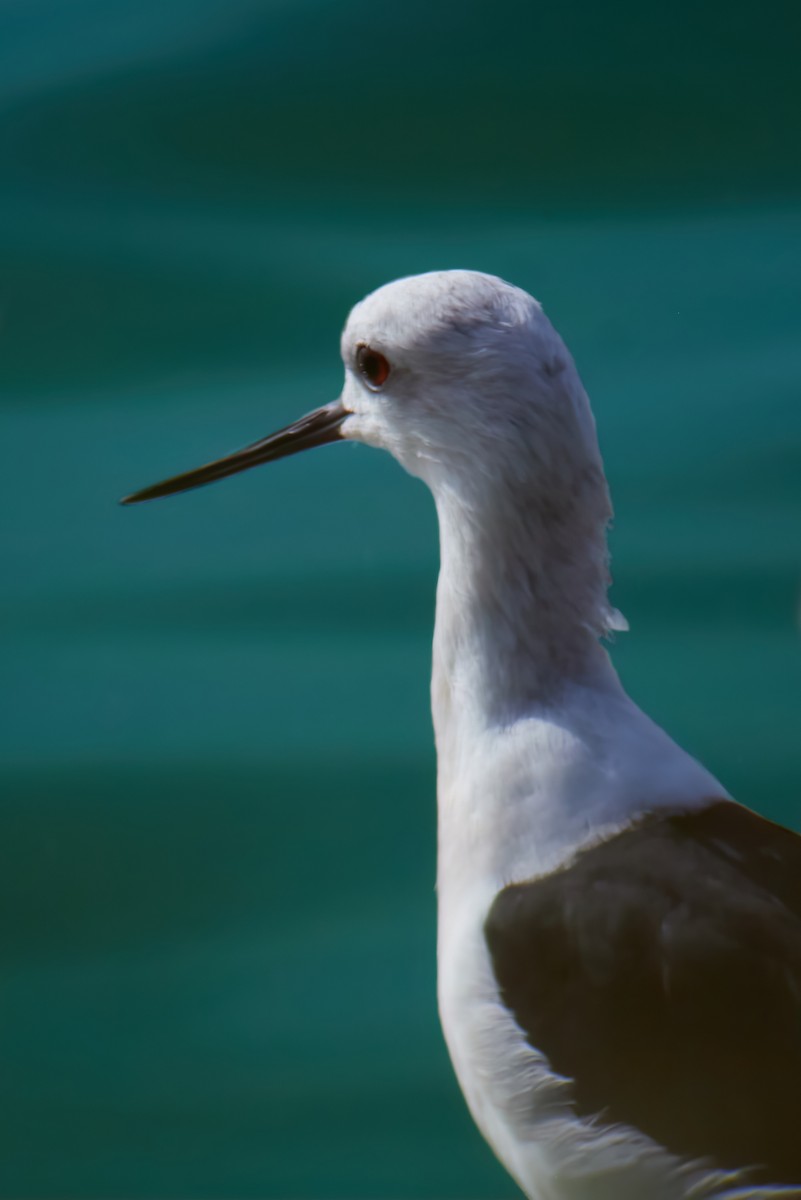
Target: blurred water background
218	974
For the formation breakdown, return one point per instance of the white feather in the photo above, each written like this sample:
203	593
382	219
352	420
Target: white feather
540	751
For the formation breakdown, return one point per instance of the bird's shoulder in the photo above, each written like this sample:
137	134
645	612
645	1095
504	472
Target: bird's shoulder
660	971
720	860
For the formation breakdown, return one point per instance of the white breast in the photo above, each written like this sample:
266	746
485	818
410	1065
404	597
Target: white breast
513	805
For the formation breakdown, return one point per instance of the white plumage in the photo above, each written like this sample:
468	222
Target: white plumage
556	793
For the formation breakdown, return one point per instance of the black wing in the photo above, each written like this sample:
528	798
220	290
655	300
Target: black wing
661	973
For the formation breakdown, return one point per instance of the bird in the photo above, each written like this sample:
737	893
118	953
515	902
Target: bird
619	940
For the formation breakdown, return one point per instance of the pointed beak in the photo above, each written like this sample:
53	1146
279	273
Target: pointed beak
315	429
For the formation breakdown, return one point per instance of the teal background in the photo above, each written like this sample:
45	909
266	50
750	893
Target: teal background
217	858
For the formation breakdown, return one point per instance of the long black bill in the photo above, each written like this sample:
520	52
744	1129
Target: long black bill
315	429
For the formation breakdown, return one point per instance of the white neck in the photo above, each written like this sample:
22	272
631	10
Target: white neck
538	745
521	601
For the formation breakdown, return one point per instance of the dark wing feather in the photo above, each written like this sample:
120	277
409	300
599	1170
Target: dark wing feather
661	972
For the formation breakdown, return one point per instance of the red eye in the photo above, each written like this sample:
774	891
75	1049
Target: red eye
373	366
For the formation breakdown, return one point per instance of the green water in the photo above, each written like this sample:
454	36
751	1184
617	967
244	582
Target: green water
217	770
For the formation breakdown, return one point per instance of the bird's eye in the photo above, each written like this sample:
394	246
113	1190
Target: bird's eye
372	366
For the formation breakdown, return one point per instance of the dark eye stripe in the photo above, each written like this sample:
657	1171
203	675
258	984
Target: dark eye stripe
373	366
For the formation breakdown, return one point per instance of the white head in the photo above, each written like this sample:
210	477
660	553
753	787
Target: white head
464	380
474	391
478	380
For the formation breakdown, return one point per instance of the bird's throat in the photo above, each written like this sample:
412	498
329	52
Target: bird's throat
518	615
